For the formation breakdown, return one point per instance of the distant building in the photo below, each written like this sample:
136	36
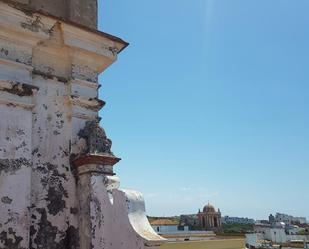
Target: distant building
293	230
164	226
237	220
262	222
271	219
289	219
277	232
189	220
210	219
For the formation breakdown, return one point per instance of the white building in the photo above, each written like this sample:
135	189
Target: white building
293	230
278	233
275	234
289	219
237	220
166	226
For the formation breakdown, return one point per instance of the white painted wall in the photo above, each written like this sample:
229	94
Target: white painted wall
40	205
165	229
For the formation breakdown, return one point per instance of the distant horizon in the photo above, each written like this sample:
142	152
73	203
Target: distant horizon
209	102
223	215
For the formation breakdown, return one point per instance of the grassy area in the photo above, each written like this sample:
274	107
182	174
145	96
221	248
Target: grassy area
213	244
236	228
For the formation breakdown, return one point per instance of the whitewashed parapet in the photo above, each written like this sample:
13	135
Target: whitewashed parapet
111	218
132	204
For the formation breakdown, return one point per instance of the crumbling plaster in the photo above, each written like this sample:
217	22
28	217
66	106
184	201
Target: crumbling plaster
48	98
83	12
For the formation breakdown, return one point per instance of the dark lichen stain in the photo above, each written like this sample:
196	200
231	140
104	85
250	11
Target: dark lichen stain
56	133
72	238
74	210
13	165
58	114
23	144
51	171
50	76
52	181
45	235
34	25
10	240
25	8
36	150
6	200
4	51
20	89
98	211
55	200
20	132
96	139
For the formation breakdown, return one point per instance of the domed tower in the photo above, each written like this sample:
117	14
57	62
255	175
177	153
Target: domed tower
210	219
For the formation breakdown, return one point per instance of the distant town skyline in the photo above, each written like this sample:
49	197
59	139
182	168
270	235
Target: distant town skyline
210	103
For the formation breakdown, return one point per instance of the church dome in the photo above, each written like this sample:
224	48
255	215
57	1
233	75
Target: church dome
209	209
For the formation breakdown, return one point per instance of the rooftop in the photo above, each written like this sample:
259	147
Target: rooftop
163	222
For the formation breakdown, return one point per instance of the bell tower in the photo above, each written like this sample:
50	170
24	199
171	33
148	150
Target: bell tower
58	189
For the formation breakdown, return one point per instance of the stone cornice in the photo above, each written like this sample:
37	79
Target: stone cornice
35	27
14	64
90	104
99	159
17	88
26	9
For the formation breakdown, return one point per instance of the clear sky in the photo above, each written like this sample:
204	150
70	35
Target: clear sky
210	102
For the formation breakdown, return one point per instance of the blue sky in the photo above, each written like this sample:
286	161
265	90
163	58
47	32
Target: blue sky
210	103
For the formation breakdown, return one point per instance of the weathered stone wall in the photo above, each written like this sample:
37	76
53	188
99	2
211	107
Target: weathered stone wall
49	121
83	12
48	90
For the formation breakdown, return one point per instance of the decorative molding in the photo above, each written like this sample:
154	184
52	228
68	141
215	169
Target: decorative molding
96	159
15	64
106	170
13	103
39	24
18	88
85	83
84	116
92	103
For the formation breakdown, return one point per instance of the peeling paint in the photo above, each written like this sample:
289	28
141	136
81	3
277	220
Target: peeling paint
20	89
46	234
10	240
50	76
48	201
13	165
84	72
34	25
96	139
4	51
55	200
6	200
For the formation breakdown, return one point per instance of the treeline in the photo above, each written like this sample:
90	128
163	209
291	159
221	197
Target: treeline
235	228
